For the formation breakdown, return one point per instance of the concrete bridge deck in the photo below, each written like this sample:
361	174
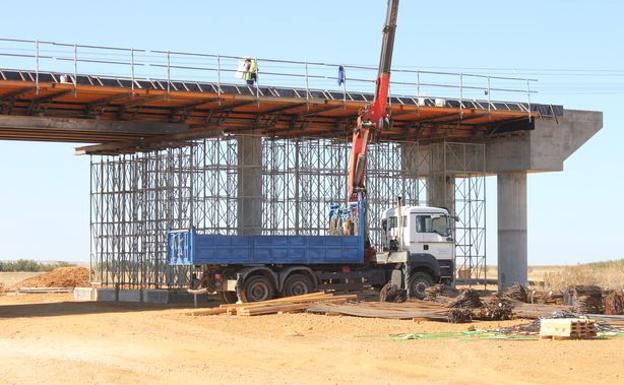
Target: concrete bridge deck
129	115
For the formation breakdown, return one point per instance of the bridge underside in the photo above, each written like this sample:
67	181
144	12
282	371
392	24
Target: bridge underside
121	116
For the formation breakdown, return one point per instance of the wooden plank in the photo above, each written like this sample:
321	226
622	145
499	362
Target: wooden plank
308	302
302	297
211	311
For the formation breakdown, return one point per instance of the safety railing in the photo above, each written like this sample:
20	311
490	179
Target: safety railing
169	67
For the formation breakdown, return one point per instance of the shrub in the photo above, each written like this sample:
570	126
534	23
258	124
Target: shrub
30	265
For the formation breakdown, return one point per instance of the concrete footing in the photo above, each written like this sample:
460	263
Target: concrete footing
156	296
132	295
105	294
84	294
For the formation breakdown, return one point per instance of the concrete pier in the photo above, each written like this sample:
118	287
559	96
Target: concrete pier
441	192
249	185
512	229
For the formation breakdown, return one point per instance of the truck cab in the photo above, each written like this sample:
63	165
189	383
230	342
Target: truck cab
420	240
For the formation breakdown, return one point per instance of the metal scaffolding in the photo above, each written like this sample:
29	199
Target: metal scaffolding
259	185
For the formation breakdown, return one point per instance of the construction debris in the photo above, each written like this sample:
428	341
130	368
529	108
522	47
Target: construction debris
496	308
614	303
292	304
516	292
457	316
468	299
584	299
440	293
545	297
391	293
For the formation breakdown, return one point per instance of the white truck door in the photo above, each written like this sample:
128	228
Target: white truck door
428	237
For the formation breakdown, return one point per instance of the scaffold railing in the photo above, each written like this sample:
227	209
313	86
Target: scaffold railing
167	66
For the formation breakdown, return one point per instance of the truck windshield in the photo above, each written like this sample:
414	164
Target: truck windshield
438	225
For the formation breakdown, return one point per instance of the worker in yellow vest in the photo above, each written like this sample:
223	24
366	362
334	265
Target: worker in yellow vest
251	71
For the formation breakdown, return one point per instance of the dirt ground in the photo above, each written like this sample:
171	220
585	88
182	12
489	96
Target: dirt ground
11	278
47	339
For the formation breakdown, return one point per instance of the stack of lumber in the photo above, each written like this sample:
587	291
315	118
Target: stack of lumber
292	304
413	309
566	328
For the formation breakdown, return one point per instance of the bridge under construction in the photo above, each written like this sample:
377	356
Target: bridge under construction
177	141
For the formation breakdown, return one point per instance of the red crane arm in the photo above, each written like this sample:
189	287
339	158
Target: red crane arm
374	117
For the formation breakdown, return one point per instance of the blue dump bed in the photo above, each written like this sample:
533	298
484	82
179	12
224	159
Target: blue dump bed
190	248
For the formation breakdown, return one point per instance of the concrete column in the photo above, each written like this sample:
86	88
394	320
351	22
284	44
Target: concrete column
512	229
441	192
249	185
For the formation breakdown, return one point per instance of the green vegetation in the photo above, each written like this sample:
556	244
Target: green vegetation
30	265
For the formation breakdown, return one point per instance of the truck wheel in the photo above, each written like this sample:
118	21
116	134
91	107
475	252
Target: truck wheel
418	283
228	297
297	284
258	288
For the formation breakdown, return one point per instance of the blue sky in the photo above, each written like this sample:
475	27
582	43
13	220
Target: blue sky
574	48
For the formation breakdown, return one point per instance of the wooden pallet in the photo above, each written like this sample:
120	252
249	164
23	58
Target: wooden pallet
567	328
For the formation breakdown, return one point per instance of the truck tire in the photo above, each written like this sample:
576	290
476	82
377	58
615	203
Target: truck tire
228	297
297	284
258	288
418	283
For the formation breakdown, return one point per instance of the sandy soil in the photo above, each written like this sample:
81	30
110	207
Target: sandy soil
44	340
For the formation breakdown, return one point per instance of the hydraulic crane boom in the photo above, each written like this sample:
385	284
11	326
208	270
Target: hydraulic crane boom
374	117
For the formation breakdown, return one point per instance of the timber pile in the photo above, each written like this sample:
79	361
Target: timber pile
567	328
516	292
467	299
413	309
292	304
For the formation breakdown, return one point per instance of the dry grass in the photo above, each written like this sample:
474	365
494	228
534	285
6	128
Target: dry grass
608	275
11	278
